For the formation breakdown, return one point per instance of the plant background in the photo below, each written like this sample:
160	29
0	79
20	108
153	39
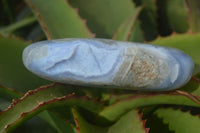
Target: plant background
31	104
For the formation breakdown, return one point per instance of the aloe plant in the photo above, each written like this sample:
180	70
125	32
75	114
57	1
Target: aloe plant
31	104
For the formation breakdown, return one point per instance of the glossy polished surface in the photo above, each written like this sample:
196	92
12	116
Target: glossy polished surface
109	63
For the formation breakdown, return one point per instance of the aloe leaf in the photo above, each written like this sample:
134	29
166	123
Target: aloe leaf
178	121
104	16
148	18
13	27
4	104
194	19
84	127
13	74
177	15
6	97
57	122
63	112
124	31
9	93
156	125
193	87
40	99
129	123
189	43
113	112
58	19
137	34
35	125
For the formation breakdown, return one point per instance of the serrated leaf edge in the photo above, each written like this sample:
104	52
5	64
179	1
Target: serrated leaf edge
41	104
93	35
143	122
104	113
16	101
44	27
132	25
37	109
167	123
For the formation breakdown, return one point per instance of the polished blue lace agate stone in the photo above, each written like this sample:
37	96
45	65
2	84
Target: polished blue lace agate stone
109	63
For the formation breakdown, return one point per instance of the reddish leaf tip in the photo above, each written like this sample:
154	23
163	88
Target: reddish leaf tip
143	122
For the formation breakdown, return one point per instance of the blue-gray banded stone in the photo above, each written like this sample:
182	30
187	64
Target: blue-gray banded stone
109	63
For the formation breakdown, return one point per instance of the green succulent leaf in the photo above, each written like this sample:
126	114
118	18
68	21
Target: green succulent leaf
194	19
137	34
35	125
9	93
13	74
154	123
13	27
40	99
84	127
104	16
128	123
58	19
61	125
193	87
123	33
64	113
4	104
189	43
6	97
148	18
178	121
113	112
131	122
177	15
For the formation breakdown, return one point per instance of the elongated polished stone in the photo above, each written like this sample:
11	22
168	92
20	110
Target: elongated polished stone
109	63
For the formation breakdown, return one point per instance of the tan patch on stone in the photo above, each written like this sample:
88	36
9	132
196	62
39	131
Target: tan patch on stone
144	70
